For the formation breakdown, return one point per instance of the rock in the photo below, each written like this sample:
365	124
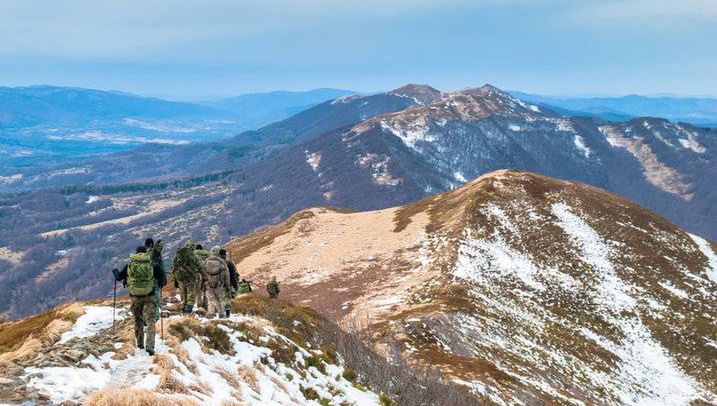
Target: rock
74	355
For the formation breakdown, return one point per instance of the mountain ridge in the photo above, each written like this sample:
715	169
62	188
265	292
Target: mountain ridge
465	280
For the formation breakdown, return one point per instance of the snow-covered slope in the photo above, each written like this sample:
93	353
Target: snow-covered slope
524	288
244	360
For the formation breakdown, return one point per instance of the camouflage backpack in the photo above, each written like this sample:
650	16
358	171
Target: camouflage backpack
156	252
213	267
201	256
184	265
140	275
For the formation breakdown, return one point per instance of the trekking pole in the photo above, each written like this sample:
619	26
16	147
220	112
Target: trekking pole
161	316
114	306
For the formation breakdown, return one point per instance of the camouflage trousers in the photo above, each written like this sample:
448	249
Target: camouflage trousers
143	310
215	302
188	292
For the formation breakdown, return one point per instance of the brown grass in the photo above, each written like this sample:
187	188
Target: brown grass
25	337
243	247
163	366
248	375
129	397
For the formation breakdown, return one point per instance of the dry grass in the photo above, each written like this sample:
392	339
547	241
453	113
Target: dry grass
129	397
26	337
218	339
245	246
404	383
248	376
163	366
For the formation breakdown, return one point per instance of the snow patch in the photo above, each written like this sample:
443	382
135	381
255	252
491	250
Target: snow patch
580	145
706	249
596	253
477	258
96	318
674	290
313	159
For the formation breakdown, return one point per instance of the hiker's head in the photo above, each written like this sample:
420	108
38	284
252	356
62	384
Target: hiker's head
141	249
149	242
273	278
190	244
199	247
223	253
216	249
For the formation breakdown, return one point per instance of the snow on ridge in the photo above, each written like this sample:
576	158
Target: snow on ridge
410	133
96	318
313	159
647	373
580	145
674	290
704	246
261	379
478	258
595	252
75	383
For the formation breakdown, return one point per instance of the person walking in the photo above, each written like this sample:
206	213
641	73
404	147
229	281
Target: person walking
140	276
186	271
273	288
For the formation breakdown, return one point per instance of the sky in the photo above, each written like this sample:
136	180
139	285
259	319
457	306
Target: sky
200	49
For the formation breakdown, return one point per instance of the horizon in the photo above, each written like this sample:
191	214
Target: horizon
511	91
194	51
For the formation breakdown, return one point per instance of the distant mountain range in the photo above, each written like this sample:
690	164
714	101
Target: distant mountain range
155	162
49	124
693	110
383	150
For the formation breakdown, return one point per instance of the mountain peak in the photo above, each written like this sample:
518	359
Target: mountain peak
487	90
422	94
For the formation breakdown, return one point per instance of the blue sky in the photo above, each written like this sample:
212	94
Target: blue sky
203	49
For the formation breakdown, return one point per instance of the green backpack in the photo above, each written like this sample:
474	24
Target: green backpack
244	287
140	275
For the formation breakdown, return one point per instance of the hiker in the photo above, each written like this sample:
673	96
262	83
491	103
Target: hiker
273	288
201	256
233	275
139	276
186	270
217	285
244	286
155	254
233	279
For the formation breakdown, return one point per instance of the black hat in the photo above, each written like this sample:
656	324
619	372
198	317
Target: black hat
199	247
149	242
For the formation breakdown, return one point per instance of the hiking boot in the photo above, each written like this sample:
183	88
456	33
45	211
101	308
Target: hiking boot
150	351
140	346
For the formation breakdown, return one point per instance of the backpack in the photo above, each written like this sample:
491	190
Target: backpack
184	265
140	275
201	256
244	287
213	267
